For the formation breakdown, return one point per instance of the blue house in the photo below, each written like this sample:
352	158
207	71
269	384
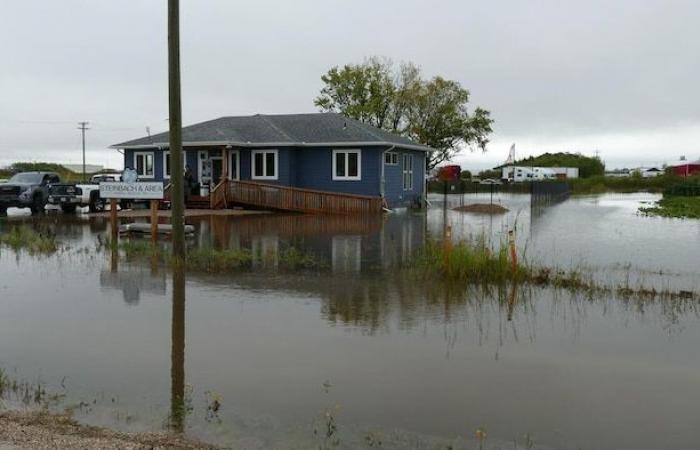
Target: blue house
322	151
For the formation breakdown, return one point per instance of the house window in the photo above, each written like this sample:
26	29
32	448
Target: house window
143	164
347	165
407	172
166	163
265	164
391	159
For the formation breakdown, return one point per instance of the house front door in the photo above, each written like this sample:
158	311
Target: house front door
217	170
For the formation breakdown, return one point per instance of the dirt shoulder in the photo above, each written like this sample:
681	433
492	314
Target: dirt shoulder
42	430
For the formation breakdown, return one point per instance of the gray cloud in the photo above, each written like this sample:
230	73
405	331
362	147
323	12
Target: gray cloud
616	76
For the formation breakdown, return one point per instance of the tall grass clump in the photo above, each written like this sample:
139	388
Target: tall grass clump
472	262
4	382
217	261
135	250
294	259
28	239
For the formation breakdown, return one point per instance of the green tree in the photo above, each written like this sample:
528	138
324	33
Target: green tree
432	112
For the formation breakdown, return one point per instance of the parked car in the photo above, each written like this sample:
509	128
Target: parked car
27	190
70	196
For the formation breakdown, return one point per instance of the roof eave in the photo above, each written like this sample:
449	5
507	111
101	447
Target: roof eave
161	145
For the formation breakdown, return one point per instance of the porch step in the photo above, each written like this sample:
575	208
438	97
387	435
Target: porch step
197	202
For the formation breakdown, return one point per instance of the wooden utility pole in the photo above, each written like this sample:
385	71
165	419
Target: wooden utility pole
83	127
175	122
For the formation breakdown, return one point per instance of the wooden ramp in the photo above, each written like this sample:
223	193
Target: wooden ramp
286	198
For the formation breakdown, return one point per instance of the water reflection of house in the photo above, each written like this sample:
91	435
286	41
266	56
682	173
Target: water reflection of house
132	281
343	244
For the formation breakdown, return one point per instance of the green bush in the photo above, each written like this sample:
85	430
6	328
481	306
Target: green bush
600	184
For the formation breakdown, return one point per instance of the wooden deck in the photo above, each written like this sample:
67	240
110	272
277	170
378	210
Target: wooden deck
286	198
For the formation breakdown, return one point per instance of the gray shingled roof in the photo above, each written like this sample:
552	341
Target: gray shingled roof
289	129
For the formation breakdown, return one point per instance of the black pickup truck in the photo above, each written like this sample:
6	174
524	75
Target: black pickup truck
27	190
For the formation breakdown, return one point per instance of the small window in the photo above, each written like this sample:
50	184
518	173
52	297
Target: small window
265	164
347	165
391	159
143	163
407	172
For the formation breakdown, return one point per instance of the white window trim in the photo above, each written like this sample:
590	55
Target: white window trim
153	159
231	155
359	165
406	172
166	153
393	158
264	177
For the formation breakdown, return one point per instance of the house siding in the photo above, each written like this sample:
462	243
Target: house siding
394	192
312	168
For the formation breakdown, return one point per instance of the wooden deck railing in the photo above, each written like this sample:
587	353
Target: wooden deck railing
218	197
286	198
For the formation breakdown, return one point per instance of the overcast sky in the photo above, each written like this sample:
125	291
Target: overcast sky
619	77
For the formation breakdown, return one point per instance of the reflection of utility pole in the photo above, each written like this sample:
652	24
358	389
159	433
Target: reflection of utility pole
177	352
83	127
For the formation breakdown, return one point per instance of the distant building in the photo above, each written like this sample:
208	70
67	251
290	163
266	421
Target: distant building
532	173
686	168
648	172
618	173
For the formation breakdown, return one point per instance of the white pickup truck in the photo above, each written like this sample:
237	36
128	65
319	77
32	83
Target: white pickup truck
71	196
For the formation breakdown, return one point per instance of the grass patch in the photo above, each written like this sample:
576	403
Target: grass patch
28	239
472	262
218	261
676	206
211	260
634	183
476	263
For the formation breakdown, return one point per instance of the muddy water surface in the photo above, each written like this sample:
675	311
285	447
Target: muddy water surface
358	352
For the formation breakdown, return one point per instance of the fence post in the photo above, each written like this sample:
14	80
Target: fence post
114	221
154	221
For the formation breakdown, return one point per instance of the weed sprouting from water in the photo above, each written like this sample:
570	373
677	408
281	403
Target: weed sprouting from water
211	260
4	382
218	261
293	259
476	263
28	239
473	262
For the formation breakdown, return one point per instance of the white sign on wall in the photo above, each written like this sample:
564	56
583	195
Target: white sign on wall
132	191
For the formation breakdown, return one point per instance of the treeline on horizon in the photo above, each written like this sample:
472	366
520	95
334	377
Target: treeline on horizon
63	172
66	174
587	166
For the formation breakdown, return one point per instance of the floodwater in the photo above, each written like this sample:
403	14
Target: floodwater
357	353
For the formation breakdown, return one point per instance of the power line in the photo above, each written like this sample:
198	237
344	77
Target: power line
83	127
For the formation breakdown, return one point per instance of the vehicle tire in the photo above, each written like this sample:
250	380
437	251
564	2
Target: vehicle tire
38	205
68	209
96	204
